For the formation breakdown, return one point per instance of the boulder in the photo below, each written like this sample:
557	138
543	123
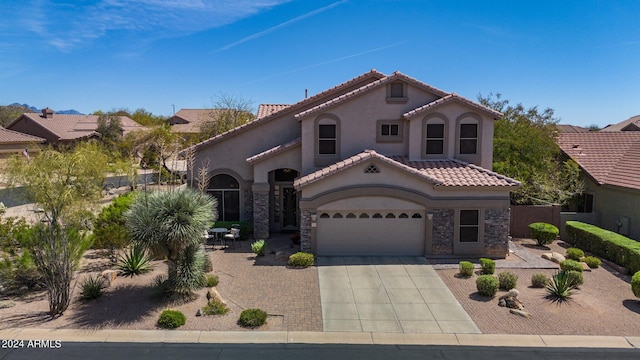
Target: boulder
109	277
521	313
282	256
199	312
214	296
556	257
585	267
511	302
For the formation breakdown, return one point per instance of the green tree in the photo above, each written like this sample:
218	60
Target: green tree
228	112
11	112
525	149
109	229
146	118
171	224
110	129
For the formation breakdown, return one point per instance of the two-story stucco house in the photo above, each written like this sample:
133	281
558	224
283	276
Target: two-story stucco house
378	165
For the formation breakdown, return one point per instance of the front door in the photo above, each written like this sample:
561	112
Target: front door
289	206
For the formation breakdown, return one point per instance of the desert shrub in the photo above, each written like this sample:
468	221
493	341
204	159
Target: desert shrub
507	280
215	308
487	285
560	287
568	265
488	266
258	247
466	268
134	262
211	280
252	318
92	287
575	254
109	227
593	262
171	319
302	259
543	233
539	280
605	244
635	284
575	278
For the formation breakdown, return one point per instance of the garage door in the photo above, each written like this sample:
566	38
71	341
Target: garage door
371	232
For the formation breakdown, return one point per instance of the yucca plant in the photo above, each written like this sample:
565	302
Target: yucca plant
134	262
561	286
171	224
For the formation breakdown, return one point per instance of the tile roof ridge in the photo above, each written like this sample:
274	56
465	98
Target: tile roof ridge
370	73
448	98
274	150
486	171
410	169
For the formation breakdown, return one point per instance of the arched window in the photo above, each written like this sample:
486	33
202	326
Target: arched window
351	216
364	216
226	190
337	216
390	216
403	216
324	216
377	216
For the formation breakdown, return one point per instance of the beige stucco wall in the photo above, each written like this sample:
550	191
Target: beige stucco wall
611	203
291	158
234	151
358	119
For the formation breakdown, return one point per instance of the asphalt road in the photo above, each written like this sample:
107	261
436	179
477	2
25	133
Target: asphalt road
157	351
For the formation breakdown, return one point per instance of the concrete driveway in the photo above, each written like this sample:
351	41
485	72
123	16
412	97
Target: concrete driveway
388	294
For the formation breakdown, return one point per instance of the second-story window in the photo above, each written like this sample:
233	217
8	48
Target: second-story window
327	139
389	129
468	138
435	139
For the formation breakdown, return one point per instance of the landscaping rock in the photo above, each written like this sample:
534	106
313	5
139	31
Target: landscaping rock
511	300
4	304
585	267
282	256
214	295
109	277
199	312
554	256
521	313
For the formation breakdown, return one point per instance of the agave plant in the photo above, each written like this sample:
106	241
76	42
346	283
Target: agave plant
92	287
561	286
135	262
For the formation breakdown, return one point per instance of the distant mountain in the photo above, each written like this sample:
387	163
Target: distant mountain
35	109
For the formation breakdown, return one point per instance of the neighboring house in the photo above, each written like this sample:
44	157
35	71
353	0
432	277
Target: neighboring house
13	142
378	165
571	129
610	162
64	128
631	124
189	121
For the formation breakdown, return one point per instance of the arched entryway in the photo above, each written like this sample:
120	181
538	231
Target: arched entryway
226	189
283	200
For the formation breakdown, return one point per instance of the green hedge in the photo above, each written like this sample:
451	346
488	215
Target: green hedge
605	244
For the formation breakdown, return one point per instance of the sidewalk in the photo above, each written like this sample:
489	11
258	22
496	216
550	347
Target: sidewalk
308	337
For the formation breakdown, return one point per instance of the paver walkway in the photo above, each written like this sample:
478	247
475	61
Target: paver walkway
388	294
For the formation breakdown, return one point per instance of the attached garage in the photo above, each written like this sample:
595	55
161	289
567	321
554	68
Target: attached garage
362	226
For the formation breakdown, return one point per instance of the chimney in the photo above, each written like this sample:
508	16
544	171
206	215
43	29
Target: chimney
47	113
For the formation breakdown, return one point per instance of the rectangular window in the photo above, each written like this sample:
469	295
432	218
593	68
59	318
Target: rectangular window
396	90
469	225
327	139
468	138
435	139
389	129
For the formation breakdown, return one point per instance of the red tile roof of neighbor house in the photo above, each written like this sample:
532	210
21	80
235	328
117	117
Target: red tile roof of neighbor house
9	136
70	127
447	173
611	158
631	124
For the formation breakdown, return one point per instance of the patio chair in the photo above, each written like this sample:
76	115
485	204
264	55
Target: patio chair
232	235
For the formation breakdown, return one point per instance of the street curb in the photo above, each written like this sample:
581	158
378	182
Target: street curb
307	337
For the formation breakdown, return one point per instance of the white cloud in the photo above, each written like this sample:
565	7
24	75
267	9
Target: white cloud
71	24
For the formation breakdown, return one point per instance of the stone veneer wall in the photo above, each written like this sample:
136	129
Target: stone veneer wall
496	232
261	215
443	231
305	230
248	205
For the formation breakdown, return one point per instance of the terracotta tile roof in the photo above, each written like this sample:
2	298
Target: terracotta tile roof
70	127
275	150
445	173
393	77
608	157
268	109
366	77
450	98
631	124
571	129
9	136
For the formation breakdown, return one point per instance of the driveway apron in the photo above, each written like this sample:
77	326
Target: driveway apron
388	294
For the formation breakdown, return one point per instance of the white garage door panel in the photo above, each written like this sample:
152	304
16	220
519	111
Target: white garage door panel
371	236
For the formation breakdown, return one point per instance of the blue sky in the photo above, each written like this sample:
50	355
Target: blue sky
579	58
